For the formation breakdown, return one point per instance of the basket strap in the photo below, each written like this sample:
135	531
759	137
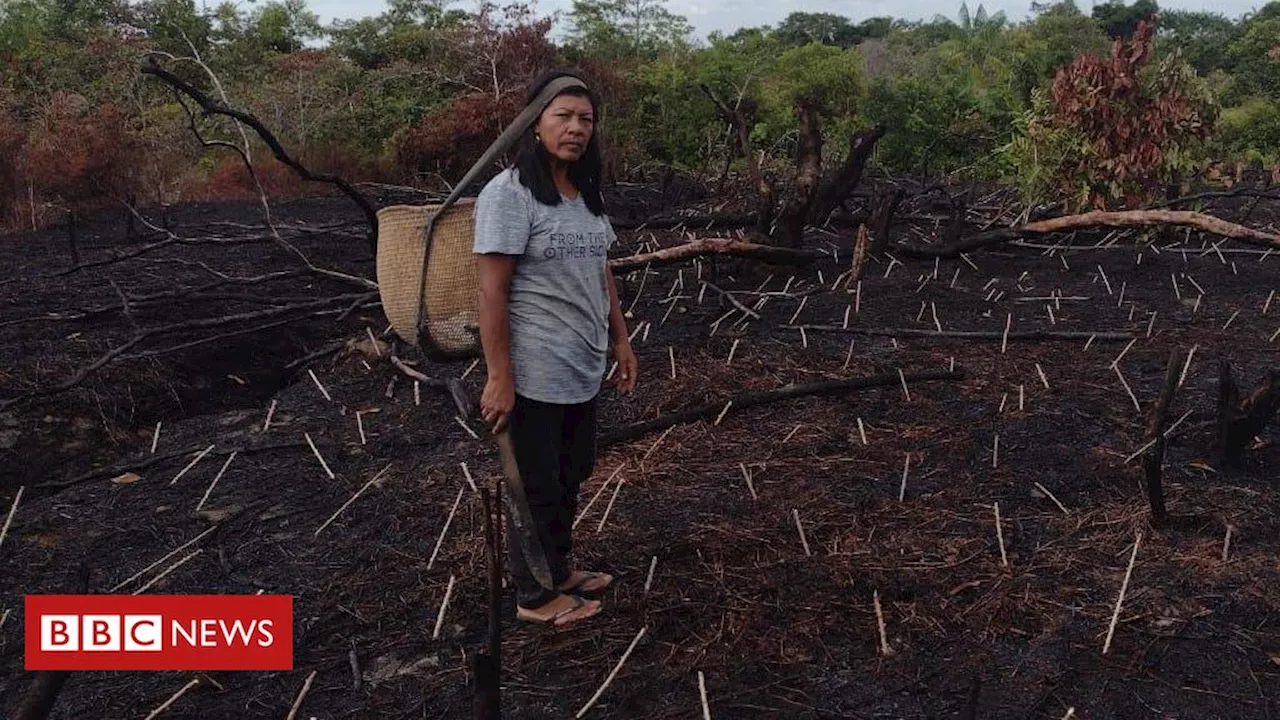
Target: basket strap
499	146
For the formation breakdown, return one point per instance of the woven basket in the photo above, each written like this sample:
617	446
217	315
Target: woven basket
449	302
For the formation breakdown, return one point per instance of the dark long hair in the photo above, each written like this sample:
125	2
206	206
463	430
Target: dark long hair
534	163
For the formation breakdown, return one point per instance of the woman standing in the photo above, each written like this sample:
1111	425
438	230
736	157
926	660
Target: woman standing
549	316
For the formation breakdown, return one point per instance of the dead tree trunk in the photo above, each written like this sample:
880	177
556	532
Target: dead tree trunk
838	185
1241	421
886	205
795	212
1153	459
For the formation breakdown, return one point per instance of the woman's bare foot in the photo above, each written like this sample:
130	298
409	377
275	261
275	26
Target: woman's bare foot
564	610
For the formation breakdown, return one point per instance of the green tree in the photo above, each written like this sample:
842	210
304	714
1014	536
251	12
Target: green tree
613	29
1120	20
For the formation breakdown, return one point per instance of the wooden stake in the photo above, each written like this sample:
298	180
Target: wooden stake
1267	306
906	393
466	427
191	464
323	392
848	356
653	565
803	300
319	457
444	605
722	412
1004	342
884	637
1152	324
732	350
157	563
599	492
862	432
702	690
360	492
1226	543
302	695
750	485
1127	389
936	323
1123	286
417	393
466	473
155	437
1115	617
443	531
1177	292
1051	496
1183	378
1004	559
1043	379
803	540
167	571
857	299
216	478
1123	352
1230	320
8	520
173	699
1021	397
1105	281
906	468
612	674
270	412
616	489
995	451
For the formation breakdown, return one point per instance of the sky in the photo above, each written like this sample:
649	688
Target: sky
729	15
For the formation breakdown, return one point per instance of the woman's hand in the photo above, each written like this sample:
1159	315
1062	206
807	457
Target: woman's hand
625	377
497	401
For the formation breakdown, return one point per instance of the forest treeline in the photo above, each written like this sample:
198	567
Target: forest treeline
1100	108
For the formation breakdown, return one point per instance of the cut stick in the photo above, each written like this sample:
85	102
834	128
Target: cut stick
13	509
750	485
995	451
360	427
702	691
155	437
847	356
216	478
173	699
599	492
191	464
648	581
1152	441
466	427
1105	281
847	309
1177	292
803	540
319	457
1004	559
608	508
1231	319
466	473
270	412
1043	379
1124	587
906	468
1123	286
671	353
857	299
445	530
444	605
167	571
157	563
417	393
804	338
360	492
1051	496
1127	389
302	696
1021	396
1071	713
732	350
905	392
612	674
1187	366
722	412
862	433
1123	352
656	443
1226	543
315	379
1267	305
373	341
1152	324
803	300
884	637
1004	341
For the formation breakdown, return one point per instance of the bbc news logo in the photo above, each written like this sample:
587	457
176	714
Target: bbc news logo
159	632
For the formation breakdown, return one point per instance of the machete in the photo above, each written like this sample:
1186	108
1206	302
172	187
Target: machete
521	517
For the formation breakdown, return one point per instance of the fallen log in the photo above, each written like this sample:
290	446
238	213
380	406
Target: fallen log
753	399
716	246
1153	459
1239	421
1031	335
1098	218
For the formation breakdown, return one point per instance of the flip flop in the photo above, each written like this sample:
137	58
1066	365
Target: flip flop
564	617
588	582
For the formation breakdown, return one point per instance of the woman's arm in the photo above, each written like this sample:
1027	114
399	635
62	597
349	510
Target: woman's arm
495	337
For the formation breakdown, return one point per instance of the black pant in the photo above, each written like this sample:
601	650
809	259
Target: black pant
555	447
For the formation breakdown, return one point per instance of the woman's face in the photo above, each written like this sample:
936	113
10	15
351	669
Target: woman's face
565	127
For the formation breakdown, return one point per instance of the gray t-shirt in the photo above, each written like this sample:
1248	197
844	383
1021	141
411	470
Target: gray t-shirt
559	299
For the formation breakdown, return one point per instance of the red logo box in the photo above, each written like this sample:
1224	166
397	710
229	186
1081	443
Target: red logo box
159	632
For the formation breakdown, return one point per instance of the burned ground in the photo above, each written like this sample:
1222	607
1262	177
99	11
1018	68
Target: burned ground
780	624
